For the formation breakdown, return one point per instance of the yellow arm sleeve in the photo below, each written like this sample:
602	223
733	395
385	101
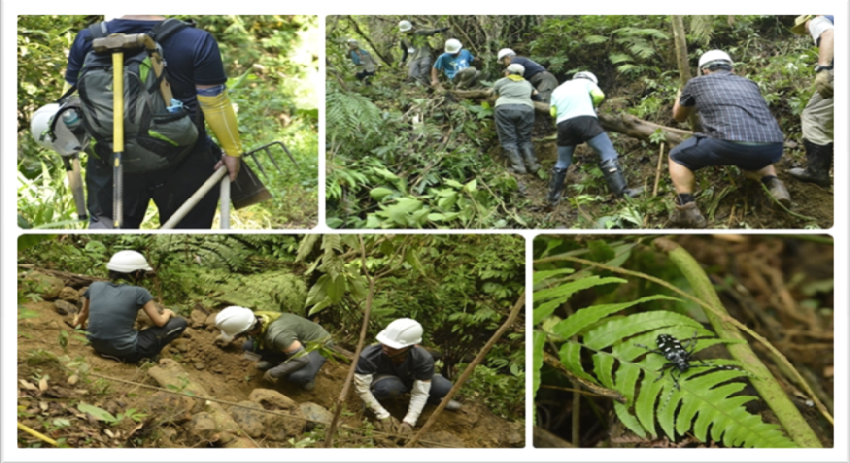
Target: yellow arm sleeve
220	116
553	111
597	96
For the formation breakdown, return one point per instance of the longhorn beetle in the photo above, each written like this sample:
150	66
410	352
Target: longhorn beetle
679	358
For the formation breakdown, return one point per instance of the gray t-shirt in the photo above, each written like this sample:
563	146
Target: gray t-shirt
112	314
513	92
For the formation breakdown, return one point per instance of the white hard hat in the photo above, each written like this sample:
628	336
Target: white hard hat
54	134
352	42
713	58
40	124
234	320
453	46
505	52
516	69
127	261
401	333
586	75
405	26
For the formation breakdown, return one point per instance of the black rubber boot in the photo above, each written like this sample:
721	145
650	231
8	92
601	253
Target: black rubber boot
556	184
530	158
819	158
616	181
516	161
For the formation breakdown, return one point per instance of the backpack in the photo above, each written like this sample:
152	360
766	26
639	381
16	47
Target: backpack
156	135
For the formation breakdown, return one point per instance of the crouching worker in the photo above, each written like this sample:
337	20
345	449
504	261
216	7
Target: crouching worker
280	339
398	366
110	309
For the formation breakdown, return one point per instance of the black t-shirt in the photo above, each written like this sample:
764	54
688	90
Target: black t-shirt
418	365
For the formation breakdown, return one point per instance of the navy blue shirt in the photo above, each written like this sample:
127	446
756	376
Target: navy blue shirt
731	108
419	364
191	54
531	68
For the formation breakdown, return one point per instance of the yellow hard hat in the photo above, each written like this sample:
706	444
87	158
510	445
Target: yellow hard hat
800	23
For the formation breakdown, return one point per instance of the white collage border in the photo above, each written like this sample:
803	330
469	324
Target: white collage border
9	232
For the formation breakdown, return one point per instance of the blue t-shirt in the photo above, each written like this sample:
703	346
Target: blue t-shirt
112	314
531	68
191	54
451	64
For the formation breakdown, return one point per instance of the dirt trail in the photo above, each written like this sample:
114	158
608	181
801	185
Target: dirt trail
223	373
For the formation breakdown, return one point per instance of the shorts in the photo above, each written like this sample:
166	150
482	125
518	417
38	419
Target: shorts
701	151
575	131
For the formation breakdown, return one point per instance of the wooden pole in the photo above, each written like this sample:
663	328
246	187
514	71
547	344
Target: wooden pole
468	371
658	171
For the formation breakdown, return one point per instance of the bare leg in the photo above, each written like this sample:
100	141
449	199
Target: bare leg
683	178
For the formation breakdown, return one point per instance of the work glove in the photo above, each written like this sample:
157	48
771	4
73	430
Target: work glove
272	375
824	84
404	428
388	424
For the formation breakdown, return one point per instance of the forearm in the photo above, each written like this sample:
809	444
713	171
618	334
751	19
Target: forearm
434	75
826	49
418	398
362	385
220	116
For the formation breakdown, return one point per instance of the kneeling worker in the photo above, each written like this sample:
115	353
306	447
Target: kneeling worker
397	366
280	339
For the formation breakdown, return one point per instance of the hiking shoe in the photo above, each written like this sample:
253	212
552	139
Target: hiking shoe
777	189
453	405
688	216
264	365
309	386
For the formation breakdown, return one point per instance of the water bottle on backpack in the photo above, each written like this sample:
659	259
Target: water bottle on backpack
72	120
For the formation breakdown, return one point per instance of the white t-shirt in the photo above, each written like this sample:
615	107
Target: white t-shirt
573	99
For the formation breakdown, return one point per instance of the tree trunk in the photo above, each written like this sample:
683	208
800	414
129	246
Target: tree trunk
387	61
682	60
621	123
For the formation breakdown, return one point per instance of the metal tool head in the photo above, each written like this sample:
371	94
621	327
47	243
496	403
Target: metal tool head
247	189
267	149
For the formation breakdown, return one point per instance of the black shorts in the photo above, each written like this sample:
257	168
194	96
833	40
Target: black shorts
575	131
701	151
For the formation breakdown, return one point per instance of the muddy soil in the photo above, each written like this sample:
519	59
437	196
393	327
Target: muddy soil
50	406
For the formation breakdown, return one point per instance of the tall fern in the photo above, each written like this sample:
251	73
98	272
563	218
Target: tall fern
705	403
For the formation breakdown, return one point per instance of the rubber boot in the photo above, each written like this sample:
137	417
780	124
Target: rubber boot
530	158
516	161
616	181
687	216
819	158
264	365
556	184
777	189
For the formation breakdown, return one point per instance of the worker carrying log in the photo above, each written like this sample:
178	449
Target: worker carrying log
818	116
739	131
574	106
515	118
280	340
414	45
398	366
542	80
456	64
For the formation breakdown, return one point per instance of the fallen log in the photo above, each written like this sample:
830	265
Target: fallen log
620	123
74	280
169	374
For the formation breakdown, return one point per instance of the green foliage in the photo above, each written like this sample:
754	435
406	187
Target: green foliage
273	64
601	331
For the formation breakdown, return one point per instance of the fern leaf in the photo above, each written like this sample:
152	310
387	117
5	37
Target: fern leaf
594	39
558	295
587	316
617	58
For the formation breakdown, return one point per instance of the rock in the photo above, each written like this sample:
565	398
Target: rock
82	291
199	366
47	286
181	345
210	321
251	417
143	320
279	427
315	412
218	368
170	408
69	294
197	318
202	425
64	307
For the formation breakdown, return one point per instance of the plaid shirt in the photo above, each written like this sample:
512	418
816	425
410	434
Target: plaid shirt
731	108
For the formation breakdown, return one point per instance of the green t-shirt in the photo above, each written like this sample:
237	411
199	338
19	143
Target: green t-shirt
289	328
513	92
